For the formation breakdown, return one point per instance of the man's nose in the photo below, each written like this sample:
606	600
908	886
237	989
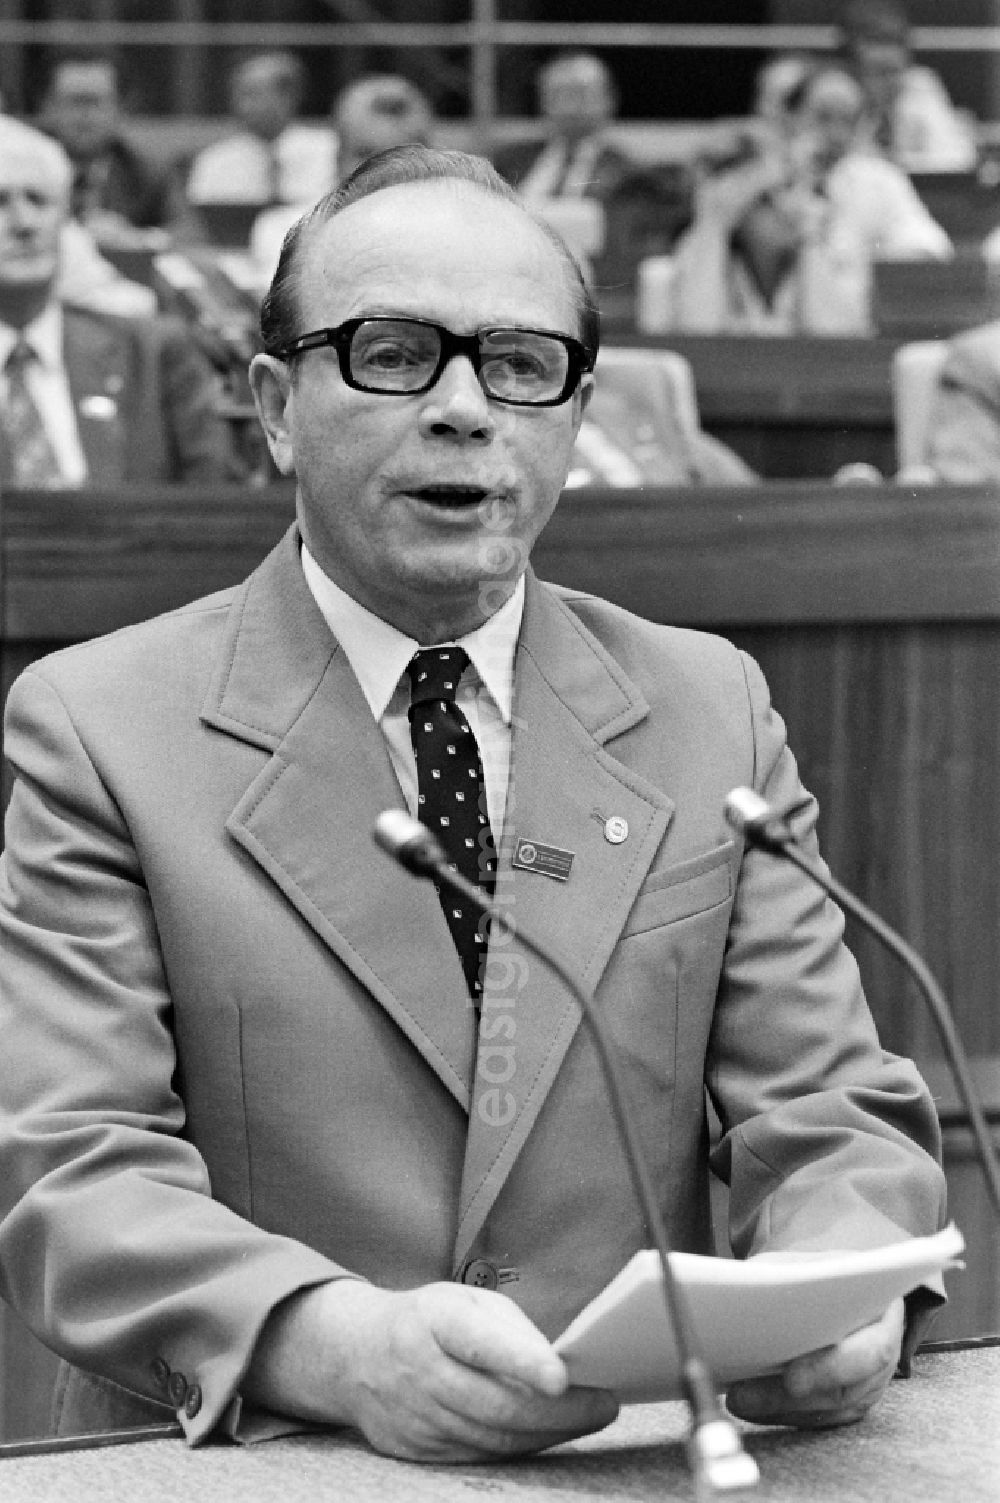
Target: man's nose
457	406
22	214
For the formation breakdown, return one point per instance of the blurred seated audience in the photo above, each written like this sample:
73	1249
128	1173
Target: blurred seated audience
602	202
783	241
963	431
578	99
116	189
641	427
85	397
910	116
376	112
272	158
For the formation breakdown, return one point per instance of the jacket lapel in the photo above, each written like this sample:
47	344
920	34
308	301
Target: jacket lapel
284	685
572	699
97	368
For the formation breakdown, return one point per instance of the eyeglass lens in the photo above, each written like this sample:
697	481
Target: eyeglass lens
396	355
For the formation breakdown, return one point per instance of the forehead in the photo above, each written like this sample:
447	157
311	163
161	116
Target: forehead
834	91
83	78
262	75
440	250
23	165
580	76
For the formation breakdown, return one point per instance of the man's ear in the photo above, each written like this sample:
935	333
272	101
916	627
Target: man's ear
271	384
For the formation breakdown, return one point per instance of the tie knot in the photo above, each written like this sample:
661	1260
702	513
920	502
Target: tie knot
435	672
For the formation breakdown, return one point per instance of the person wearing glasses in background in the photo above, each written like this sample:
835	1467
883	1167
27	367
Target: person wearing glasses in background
287	1138
784	238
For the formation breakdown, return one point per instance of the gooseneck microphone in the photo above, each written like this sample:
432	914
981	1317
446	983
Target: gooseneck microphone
716	1455
772	830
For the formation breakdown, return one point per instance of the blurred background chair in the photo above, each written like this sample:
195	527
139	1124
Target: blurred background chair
642	427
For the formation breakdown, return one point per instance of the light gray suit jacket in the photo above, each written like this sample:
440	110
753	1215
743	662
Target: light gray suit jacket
239	1054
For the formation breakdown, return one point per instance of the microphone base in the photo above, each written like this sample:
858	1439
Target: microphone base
721	1468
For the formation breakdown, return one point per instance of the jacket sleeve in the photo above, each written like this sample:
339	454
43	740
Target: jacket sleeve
112	1248
201	441
827	1140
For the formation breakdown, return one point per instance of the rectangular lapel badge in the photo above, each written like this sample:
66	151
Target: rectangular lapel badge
547	860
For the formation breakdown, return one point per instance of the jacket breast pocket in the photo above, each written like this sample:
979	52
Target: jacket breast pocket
681	891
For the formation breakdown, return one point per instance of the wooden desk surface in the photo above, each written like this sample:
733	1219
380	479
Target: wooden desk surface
934	1438
791	407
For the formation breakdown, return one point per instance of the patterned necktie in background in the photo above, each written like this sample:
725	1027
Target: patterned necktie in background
32	461
452	795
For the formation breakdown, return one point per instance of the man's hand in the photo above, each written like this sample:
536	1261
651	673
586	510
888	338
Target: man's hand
440	1373
835	1386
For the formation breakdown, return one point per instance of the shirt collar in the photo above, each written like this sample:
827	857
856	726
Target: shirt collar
378	653
43	334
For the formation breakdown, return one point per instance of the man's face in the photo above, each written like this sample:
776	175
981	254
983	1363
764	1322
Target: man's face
82	108
575	97
425	507
264	98
33	207
831	115
882	66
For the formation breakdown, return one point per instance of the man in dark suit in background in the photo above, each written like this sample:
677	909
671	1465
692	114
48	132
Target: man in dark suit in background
578	99
611	209
88	398
115	187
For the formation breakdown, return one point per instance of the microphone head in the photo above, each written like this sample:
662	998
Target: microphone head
408	842
746	809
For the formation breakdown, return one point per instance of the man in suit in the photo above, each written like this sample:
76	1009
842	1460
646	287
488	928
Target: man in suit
277	1145
272	157
610	209
373	113
116	188
88	398
578	99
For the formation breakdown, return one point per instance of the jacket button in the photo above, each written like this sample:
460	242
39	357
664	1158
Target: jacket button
177	1389
481	1274
192	1402
159	1370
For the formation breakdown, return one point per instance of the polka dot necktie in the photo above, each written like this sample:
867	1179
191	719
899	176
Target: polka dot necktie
32	461
452	795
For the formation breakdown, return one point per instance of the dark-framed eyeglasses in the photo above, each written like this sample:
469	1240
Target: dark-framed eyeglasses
391	356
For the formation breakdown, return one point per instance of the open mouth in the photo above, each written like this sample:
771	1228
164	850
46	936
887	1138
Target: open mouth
455	496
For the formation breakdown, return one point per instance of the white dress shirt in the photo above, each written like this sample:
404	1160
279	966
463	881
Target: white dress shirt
561	168
378	653
239	168
49	388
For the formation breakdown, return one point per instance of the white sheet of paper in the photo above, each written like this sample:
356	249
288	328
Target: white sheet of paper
751	1316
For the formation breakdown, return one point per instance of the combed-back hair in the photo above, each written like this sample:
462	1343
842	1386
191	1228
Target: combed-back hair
279	314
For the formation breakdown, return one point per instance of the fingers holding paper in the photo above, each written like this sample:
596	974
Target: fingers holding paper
445	1372
834	1386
